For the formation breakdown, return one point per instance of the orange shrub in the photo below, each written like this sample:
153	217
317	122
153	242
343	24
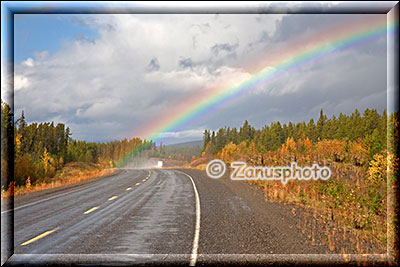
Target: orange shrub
289	146
333	149
357	152
307	144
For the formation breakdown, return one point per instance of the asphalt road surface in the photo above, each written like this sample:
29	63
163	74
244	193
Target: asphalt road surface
153	216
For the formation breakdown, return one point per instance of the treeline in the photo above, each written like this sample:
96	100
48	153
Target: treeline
180	153
41	149
361	151
7	121
371	128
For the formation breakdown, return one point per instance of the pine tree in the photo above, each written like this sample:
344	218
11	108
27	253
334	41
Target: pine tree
206	139
320	124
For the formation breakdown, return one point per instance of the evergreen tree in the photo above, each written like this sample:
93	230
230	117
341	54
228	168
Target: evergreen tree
371	127
320	125
206	139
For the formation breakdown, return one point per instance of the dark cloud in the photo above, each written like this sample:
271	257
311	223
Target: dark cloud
296	25
341	84
186	63
123	86
154	65
83	38
227	48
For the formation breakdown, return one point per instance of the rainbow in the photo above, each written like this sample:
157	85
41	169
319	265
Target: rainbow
275	64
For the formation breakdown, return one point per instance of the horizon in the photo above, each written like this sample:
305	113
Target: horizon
179	142
131	83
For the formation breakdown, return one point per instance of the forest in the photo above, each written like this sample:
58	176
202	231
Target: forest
42	149
371	128
360	150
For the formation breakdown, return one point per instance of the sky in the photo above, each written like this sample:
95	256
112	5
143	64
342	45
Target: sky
107	76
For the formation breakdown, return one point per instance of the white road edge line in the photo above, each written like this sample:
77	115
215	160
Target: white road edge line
193	256
42	200
45	199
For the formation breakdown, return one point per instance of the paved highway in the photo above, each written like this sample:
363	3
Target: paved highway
148	216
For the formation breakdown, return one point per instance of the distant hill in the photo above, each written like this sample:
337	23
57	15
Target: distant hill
187	144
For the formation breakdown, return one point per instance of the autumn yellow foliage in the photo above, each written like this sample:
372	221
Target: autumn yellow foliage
289	146
377	171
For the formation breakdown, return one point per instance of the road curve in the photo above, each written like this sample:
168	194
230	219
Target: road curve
154	216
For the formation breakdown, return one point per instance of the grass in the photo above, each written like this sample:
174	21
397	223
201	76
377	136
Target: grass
71	173
345	200
353	201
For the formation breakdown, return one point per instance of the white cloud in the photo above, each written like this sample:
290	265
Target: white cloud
109	78
187	134
20	82
29	62
92	86
6	81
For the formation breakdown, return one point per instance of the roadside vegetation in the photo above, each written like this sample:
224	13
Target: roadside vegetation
71	173
43	155
184	154
355	147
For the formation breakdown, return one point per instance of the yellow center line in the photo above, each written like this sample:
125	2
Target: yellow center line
112	198
92	209
129	188
39	237
144	180
137	183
